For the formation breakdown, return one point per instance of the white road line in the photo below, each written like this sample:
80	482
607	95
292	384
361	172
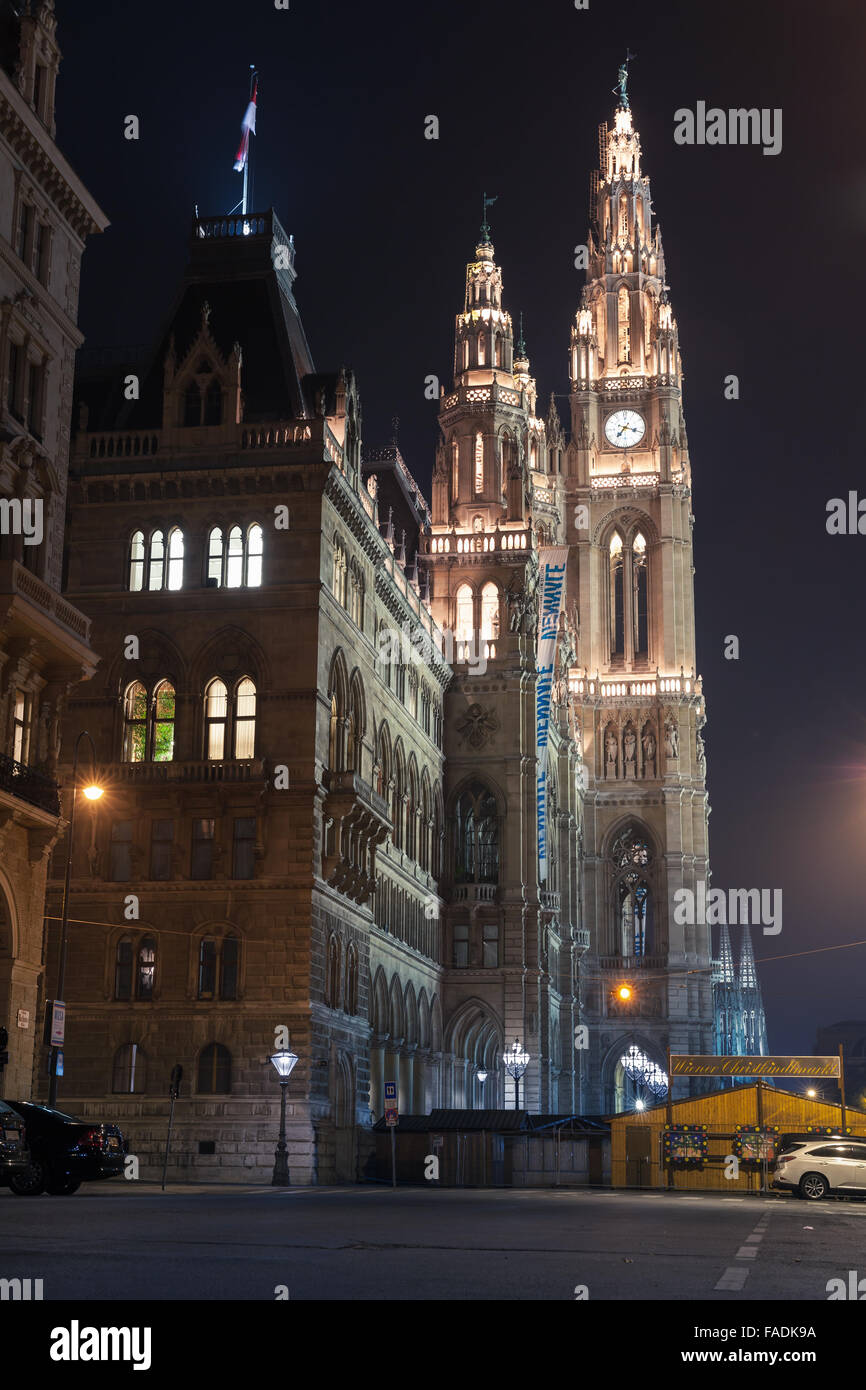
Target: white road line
733	1279
746	1252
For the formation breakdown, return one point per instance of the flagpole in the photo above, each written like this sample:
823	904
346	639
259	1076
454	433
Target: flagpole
247	190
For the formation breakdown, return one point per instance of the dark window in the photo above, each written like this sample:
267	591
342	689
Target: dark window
129	1074
202	849
35	378
43	244
123	969
213	405
461	945
229	962
243	858
214	1070
161	844
13	391
477	837
146	968
207	957
25	225
207	1146
120	858
38	88
192	405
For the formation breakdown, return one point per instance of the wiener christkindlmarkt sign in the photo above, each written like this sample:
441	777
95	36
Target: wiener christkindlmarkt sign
684	1064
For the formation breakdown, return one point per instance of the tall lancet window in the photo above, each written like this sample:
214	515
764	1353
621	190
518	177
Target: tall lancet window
479	462
639	574
482	350
623	308
623	220
617	615
455	471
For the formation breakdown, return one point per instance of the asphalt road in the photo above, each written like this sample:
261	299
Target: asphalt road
116	1241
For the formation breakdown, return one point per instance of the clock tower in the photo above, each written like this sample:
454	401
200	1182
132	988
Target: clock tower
646	979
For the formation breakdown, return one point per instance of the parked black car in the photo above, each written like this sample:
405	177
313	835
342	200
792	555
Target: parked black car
14	1154
64	1151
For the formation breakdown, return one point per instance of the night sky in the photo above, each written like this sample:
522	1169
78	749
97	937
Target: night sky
766	260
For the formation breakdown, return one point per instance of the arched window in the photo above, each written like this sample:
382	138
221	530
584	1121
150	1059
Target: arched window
163	722
135	723
479	462
157	561
623	219
129	1073
192	405
617	615
216	717
214	1070
497	351
633	904
175	558
623	311
489	612
350	998
213	404
145	974
123	968
639	573
235	559
215	557
397	795
455	471
464	625
482	349
332	978
255	547
476	830
136	561
245	719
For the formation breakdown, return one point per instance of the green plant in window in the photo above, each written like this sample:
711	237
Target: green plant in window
163	730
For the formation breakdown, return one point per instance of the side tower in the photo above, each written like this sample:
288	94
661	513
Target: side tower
510	931
640	700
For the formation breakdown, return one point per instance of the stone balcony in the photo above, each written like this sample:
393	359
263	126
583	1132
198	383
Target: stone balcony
228	771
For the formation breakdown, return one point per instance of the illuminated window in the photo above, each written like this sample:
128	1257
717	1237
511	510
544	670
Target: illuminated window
623	310
21	714
216	717
464	625
245	719
235	559
175	559
163	722
215	557
455	471
136	561
623	219
255	546
489	612
145	974
482	349
617	617
479	462
157	561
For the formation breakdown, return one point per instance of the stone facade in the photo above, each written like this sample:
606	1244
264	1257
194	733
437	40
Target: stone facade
45	217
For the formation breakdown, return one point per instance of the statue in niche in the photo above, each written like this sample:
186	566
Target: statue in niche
702	757
672	740
610	747
649	752
630	749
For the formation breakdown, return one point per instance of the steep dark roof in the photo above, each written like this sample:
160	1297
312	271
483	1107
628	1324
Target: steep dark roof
9	36
251	303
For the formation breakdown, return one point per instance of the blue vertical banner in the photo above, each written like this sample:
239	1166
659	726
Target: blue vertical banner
553	561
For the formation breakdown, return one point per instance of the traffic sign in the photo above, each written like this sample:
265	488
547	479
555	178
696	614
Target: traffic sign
58	1023
390	1116
390	1094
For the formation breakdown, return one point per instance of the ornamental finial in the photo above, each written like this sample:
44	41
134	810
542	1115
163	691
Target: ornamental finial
622	83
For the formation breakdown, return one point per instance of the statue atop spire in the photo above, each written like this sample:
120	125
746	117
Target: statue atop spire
622	82
485	228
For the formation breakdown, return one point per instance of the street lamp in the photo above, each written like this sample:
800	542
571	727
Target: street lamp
92	792
516	1061
284	1062
481	1074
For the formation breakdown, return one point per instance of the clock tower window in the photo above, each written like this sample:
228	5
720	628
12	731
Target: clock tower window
623	308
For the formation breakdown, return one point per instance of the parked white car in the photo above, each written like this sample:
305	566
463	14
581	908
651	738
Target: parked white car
817	1168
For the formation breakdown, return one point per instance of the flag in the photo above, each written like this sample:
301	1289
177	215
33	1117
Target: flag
247	124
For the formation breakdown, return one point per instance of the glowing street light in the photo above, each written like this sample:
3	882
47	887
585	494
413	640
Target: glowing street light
284	1063
516	1060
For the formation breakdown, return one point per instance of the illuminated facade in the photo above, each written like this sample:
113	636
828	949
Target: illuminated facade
320	749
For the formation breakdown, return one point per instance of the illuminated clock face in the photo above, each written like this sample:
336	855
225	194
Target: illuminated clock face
625	428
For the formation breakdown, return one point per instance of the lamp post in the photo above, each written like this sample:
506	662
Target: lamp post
516	1061
481	1075
284	1062
93	792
